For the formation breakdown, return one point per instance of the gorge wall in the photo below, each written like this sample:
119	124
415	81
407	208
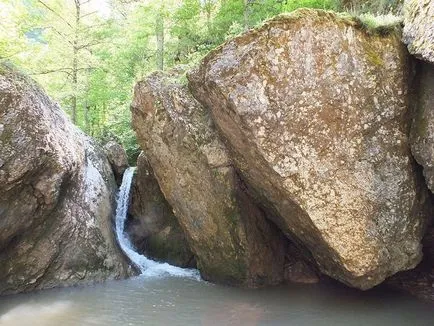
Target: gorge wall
418	34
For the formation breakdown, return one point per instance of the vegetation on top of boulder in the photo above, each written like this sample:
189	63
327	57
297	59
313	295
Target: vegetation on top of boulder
89	56
379	25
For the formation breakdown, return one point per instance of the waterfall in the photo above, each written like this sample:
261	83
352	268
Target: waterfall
147	267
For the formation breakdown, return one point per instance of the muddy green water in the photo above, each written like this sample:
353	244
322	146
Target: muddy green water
184	301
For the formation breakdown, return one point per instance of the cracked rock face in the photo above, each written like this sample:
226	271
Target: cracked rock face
422	128
228	235
56	196
314	112
419	28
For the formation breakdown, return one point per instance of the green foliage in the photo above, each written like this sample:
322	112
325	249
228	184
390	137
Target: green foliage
89	60
376	7
379	25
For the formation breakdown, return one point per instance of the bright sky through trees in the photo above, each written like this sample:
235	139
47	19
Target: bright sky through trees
88	54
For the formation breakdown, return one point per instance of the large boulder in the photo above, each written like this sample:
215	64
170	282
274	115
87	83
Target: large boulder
422	128
229	236
419	281
57	195
313	109
151	226
419	28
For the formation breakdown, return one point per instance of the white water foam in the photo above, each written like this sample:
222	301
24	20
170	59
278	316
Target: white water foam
147	267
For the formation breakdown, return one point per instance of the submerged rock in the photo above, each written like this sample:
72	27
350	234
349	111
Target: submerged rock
57	195
314	112
422	128
118	159
229	236
419	28
152	227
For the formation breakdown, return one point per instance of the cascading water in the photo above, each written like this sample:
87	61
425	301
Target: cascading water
148	267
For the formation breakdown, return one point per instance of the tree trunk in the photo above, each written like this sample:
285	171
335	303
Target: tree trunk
208	5
246	15
87	126
75	62
159	32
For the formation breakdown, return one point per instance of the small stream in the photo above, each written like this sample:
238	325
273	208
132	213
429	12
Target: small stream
168	295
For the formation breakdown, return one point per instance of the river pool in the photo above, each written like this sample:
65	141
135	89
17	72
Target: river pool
172	300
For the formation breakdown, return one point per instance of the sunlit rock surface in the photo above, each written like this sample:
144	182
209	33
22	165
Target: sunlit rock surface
57	195
314	110
229	236
419	28
422	128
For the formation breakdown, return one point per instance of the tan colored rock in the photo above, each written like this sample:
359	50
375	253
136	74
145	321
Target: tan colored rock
314	112
152	227
229	236
57	195
419	28
118	159
422	128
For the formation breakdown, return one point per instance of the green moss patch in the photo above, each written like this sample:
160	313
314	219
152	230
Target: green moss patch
382	25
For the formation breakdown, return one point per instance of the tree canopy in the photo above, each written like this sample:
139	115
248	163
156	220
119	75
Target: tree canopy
88	54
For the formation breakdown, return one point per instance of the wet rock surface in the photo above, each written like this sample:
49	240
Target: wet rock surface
57	195
314	112
152	227
419	281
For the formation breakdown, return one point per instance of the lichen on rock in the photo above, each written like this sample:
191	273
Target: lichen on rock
314	110
419	28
